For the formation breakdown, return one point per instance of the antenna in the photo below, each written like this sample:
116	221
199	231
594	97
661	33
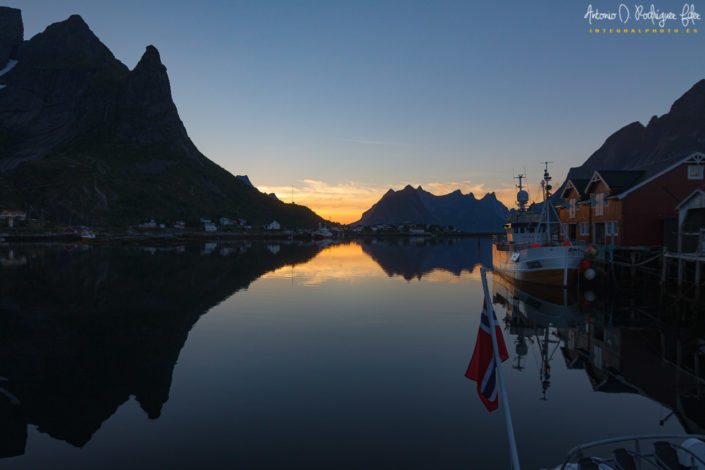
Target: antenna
292	193
522	196
546	181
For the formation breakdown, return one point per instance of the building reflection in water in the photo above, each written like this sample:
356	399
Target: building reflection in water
625	345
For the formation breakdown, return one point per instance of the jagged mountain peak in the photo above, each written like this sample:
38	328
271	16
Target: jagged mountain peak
417	206
151	59
11	33
66	44
245	179
88	110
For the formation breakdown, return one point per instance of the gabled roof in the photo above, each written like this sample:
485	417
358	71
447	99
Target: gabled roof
575	184
617	180
658	169
623	182
697	192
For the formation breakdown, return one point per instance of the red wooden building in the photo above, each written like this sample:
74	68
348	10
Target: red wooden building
631	208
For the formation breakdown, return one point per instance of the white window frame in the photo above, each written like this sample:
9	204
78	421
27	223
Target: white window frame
584	229
600	204
572	203
697	174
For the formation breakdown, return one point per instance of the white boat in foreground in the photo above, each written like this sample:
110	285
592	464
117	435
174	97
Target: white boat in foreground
656	451
537	249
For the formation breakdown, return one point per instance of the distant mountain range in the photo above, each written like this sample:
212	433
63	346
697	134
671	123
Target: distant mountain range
417	206
677	133
84	138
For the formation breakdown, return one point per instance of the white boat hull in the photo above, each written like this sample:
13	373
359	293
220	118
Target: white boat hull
552	265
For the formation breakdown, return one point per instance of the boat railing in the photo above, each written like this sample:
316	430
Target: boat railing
640	452
512	246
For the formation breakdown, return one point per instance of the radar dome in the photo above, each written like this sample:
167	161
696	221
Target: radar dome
522	197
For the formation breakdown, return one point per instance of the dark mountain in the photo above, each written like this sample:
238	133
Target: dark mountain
11	33
676	133
82	137
416	206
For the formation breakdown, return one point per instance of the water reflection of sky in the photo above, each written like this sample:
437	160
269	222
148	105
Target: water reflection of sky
349	263
366	370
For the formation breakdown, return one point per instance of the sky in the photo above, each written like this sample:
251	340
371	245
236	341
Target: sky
343	99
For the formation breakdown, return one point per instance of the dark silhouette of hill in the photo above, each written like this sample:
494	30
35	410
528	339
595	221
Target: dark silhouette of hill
677	133
416	206
85	139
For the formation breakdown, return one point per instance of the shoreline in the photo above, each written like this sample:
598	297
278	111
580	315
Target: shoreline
175	239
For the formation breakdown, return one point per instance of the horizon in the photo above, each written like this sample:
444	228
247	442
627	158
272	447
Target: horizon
345	102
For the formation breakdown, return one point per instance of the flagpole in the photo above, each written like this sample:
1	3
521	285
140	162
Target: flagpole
498	368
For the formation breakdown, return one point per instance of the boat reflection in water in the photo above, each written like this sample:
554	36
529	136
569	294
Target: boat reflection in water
533	315
625	345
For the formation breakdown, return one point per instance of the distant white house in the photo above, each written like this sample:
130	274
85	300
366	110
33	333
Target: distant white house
11	216
150	224
226	221
209	227
274	225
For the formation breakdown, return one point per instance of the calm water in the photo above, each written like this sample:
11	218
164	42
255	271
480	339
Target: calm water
301	356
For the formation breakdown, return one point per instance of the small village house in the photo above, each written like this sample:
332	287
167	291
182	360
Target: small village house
10	216
691	223
632	208
274	225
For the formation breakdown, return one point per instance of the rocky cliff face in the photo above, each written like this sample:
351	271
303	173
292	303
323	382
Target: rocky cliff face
83	138
11	33
678	132
416	206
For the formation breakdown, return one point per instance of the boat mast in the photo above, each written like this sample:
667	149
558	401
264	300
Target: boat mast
522	196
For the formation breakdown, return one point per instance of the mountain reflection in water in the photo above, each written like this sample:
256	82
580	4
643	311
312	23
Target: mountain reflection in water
414	258
331	351
82	331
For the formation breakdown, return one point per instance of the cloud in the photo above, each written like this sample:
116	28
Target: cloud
340	202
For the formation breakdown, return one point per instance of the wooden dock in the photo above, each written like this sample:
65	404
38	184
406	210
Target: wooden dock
689	266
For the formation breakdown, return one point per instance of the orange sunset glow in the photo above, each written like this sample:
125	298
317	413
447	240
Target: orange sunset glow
345	202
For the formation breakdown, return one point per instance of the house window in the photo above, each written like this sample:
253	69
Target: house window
600	204
611	228
584	228
571	206
695	172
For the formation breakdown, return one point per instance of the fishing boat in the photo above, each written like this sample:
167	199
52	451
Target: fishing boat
321	233
537	248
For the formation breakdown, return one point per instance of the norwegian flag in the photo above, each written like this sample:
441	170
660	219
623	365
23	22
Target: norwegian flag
482	365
